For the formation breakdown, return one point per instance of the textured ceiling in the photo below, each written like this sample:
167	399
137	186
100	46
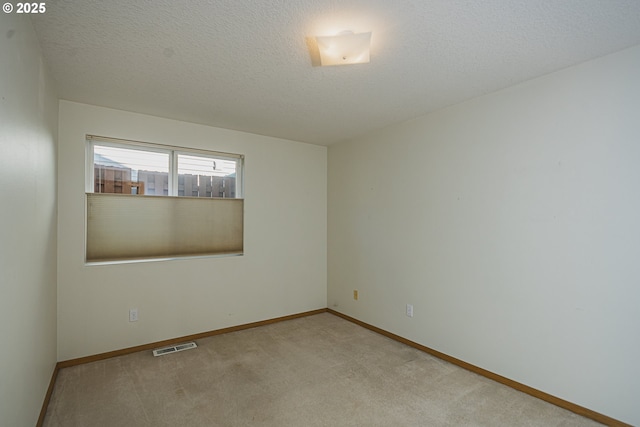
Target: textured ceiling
246	64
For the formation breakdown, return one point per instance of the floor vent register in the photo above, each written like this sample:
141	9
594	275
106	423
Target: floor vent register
174	348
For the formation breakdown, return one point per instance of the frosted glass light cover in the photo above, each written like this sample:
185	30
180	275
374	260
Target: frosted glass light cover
345	48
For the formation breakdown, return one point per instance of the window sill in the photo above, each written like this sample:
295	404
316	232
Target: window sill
173	258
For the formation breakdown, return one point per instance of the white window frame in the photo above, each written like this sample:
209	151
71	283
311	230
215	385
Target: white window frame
172	151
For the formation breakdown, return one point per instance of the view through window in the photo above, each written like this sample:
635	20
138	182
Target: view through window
118	169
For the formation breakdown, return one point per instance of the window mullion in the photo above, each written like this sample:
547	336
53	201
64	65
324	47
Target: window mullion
173	174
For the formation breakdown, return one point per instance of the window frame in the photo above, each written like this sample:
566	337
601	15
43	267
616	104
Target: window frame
173	189
171	150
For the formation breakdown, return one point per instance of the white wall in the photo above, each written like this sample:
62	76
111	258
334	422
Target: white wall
511	223
28	131
283	270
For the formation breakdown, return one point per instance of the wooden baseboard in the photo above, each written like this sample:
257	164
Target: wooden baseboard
173	341
151	346
47	397
580	410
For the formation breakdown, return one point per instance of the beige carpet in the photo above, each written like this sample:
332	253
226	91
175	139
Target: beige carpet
314	371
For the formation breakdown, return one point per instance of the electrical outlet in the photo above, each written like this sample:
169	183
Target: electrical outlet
409	310
133	315
355	294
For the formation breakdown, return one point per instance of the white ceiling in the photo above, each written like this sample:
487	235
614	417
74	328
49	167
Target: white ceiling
246	64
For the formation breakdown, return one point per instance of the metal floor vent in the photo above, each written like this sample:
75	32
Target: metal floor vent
174	348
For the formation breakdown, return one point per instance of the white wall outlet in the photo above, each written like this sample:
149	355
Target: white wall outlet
133	315
409	310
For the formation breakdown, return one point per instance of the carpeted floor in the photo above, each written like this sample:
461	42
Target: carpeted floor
314	371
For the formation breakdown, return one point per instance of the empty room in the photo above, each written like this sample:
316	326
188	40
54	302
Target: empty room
320	213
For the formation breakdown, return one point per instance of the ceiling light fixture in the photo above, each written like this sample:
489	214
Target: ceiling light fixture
344	48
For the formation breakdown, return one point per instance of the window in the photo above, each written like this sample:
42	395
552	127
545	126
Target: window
146	169
152	201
